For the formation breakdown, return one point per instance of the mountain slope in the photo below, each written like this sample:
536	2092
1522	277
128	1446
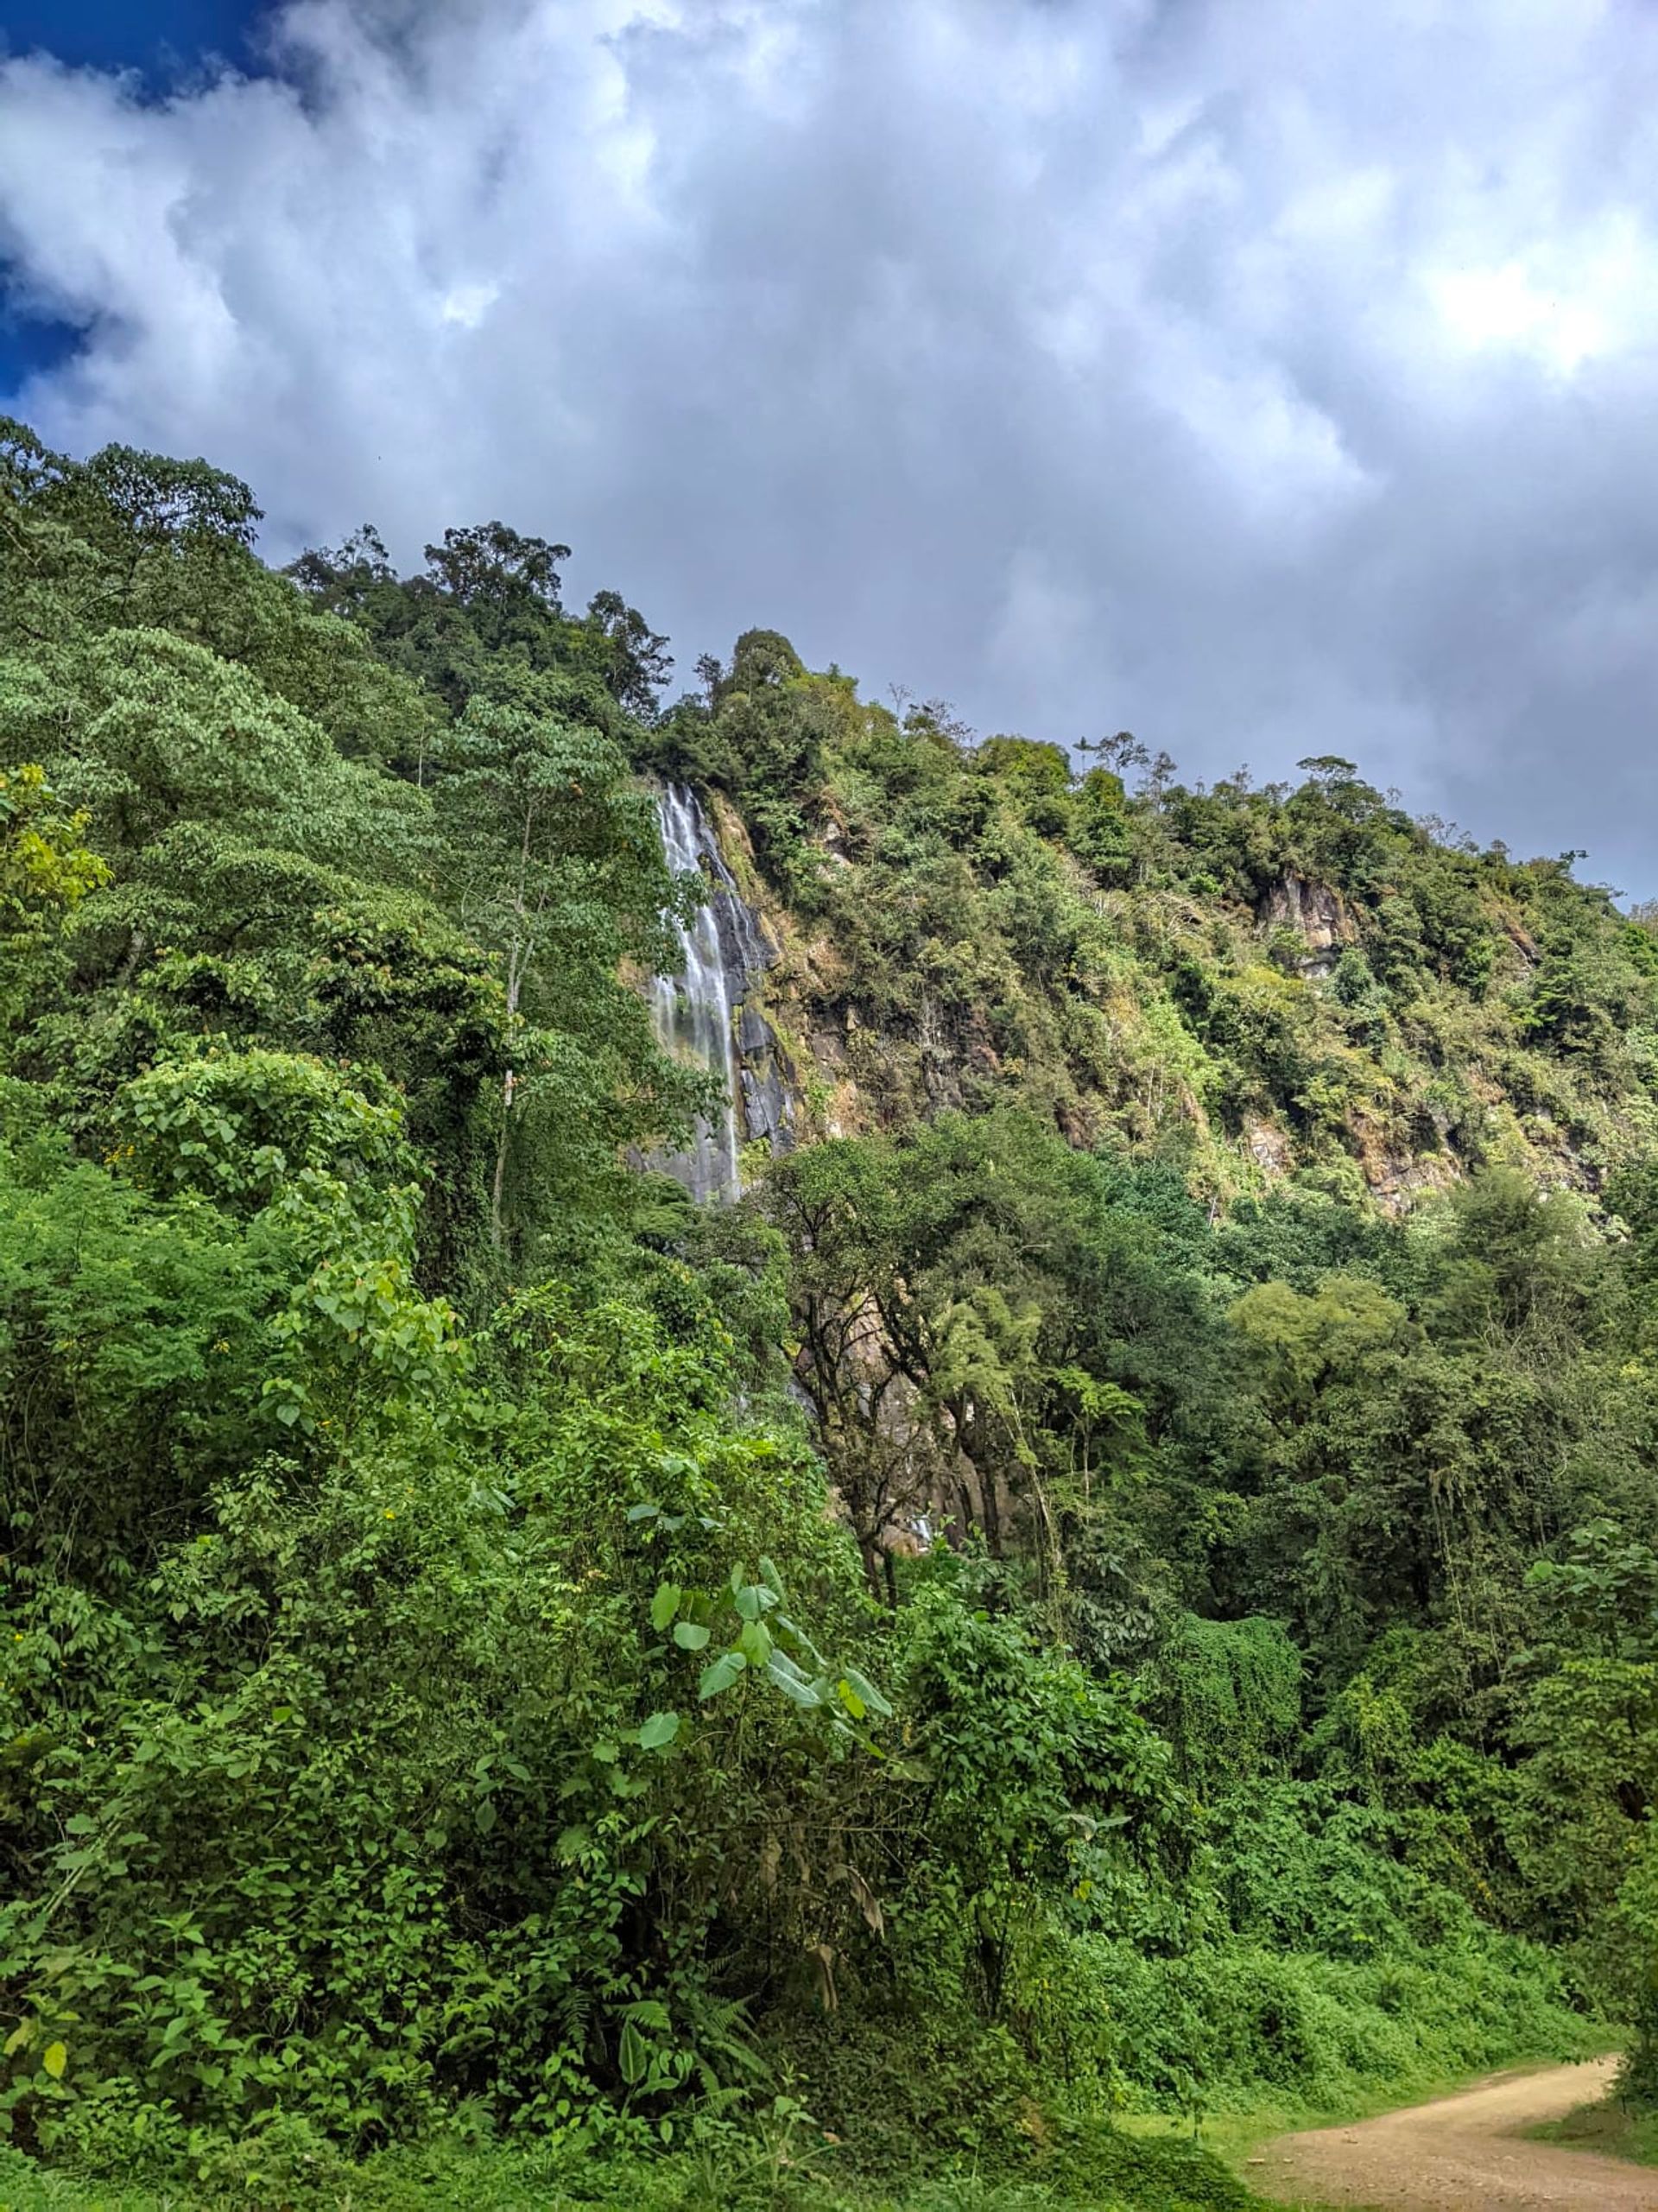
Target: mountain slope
1249	983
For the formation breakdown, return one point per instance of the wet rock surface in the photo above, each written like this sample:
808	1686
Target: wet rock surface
710	1013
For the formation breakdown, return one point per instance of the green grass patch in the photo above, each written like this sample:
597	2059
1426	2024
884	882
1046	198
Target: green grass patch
1612	2127
1102	2168
1235	2137
25	2187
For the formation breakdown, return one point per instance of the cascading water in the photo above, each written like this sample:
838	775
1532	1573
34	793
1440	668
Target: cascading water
720	953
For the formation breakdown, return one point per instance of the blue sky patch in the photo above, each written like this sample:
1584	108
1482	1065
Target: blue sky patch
30	344
163	39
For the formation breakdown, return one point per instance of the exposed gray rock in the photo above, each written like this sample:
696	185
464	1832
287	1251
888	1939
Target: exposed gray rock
1316	915
711	1011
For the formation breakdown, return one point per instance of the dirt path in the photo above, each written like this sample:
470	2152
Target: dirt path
1465	2154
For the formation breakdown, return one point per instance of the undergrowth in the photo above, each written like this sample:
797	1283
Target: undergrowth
726	2172
1228	2028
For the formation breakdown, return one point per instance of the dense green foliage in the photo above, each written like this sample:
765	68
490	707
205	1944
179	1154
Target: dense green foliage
1233	980
1118	1577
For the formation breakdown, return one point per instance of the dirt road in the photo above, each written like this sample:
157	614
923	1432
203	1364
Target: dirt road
1465	2154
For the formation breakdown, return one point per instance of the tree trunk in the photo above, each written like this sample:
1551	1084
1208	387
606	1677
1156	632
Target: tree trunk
498	1187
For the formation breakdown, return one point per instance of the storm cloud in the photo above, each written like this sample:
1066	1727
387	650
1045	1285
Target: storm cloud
1268	381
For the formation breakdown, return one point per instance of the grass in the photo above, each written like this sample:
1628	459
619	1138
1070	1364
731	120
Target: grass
1144	2165
1235	2137
25	2187
1609	2127
1113	2174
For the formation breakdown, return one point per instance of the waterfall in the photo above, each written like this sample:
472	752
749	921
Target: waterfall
692	1012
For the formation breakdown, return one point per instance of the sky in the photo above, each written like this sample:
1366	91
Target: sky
1268	381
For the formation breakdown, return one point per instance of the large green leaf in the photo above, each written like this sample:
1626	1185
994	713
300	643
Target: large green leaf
721	1674
784	1626
755	1643
782	1671
867	1694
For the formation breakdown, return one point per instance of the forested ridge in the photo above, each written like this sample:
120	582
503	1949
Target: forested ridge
1115	1578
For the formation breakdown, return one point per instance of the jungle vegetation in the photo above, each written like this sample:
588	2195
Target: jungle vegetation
1119	1578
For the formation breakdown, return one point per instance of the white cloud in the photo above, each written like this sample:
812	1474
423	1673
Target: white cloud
1316	347
1504	307
468	304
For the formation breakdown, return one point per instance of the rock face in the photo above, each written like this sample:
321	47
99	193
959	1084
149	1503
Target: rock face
1317	916
1268	1148
767	1101
710	1011
806	1044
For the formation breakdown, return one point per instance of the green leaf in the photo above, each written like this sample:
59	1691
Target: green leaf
849	1698
665	1605
784	1626
658	1731
484	1817
722	1674
633	2056
54	2058
867	1694
771	1578
755	1643
690	1635
644	1512
782	1672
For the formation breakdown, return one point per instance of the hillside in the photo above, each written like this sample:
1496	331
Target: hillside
1106	1569
1255	986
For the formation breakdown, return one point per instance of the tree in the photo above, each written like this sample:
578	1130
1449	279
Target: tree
560	870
